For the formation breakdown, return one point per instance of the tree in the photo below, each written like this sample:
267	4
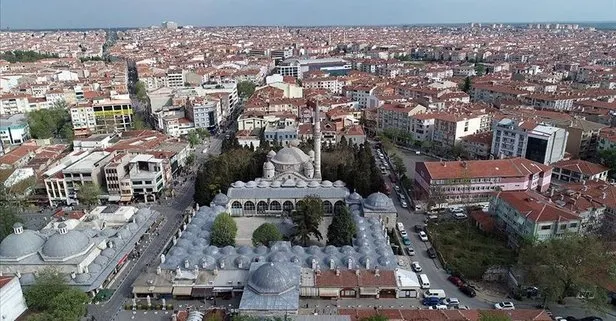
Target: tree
307	217
565	266
266	234
224	230
480	69
69	305
376	317
608	158
88	194
8	218
54	122
141	92
202	133
25	56
466	87
245	89
139	123
398	163
54	299
342	229
193	138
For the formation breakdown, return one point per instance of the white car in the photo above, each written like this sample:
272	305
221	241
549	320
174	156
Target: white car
404	204
451	301
415	266
403	233
504	306
423	236
397	188
438	307
460	216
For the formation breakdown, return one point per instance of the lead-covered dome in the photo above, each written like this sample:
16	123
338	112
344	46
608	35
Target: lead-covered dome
378	201
66	244
21	243
290	156
221	199
271	278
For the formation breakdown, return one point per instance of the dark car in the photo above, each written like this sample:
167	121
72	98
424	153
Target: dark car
431	252
455	280
431	301
466	289
590	318
419	228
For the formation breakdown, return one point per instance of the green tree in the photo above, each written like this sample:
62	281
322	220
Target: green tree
564	266
224	230
193	138
88	194
25	56
266	234
69	304
49	284
398	163
493	316
480	69
608	158
8	217
139	123
141	92
307	218
376	317
245	89
342	229
54	122
202	133
466	87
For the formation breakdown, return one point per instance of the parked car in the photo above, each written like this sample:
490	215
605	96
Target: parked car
505	305
397	188
419	228
404	234
431	253
466	289
406	241
438	307
590	318
404	204
423	236
410	251
460	216
431	301
455	280
450	301
415	266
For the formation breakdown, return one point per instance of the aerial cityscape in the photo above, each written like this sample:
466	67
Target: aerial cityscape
246	165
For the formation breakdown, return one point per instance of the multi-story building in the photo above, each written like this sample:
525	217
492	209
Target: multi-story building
477	146
62	182
12	301
297	67
227	90
422	126
607	139
589	198
577	170
205	115
474	181
175	78
359	93
13	104
147	176
14	130
397	117
280	134
527	215
540	143
105	116
450	128
583	136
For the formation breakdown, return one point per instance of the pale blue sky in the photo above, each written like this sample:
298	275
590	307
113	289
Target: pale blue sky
128	13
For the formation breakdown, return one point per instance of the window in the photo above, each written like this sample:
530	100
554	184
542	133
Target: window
328	207
546	227
261	207
275	206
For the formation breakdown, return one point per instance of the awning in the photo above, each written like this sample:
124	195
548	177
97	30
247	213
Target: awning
162	289
368	291
152	289
126	198
223	289
182	290
201	292
329	292
114	198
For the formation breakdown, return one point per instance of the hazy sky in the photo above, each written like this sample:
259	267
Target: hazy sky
133	13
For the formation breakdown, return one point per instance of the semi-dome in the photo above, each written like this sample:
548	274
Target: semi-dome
220	199
66	244
239	184
82	277
326	184
290	156
355	196
339	183
251	184
268	165
21	242
313	184
271	278
276	184
378	201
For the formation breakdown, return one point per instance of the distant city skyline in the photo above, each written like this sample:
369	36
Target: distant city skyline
39	14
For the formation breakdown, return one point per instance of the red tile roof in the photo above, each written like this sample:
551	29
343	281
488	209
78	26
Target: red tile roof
536	207
581	166
511	167
348	278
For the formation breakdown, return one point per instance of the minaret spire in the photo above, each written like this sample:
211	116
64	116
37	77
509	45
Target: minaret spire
317	142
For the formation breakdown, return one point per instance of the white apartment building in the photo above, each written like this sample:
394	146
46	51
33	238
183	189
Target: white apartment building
12	301
540	143
147	176
106	116
227	88
10	105
206	115
360	94
450	128
422	126
398	117
331	84
176	78
257	122
14	130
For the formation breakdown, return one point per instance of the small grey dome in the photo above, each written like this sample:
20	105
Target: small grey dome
108	232
301	184
228	250
355	196
271	153
242	261
239	184
326	184
268	165
378	201
276	184
263	184
211	250
251	184
298	249
82	277
244	250
314	184
22	244
108	252
124	234
94	268
339	183
133	227
308	165
330	249
278	257
261	250
271	278
384	260
347	249
64	245
221	199
101	260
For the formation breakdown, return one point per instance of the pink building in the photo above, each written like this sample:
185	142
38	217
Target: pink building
446	183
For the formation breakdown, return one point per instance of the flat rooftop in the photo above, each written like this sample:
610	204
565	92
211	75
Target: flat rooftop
87	163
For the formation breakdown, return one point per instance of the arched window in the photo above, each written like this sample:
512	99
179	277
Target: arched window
328	208
261	207
236	208
275	206
299	203
337	206
287	206
249	207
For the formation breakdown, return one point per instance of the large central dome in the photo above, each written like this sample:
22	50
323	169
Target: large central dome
290	156
65	245
271	278
22	244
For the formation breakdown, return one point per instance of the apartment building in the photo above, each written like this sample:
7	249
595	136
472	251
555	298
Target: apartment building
175	78
607	139
117	178
583	136
206	115
104	116
13	104
280	134
540	143
297	67
477	146
252	121
62	182
491	93
577	170
331	84
147	176
527	215
398	116
422	126
594	200
14	130
359	93
455	182
226	90
450	128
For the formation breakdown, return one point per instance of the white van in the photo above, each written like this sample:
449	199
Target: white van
424	283
400	226
434	293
